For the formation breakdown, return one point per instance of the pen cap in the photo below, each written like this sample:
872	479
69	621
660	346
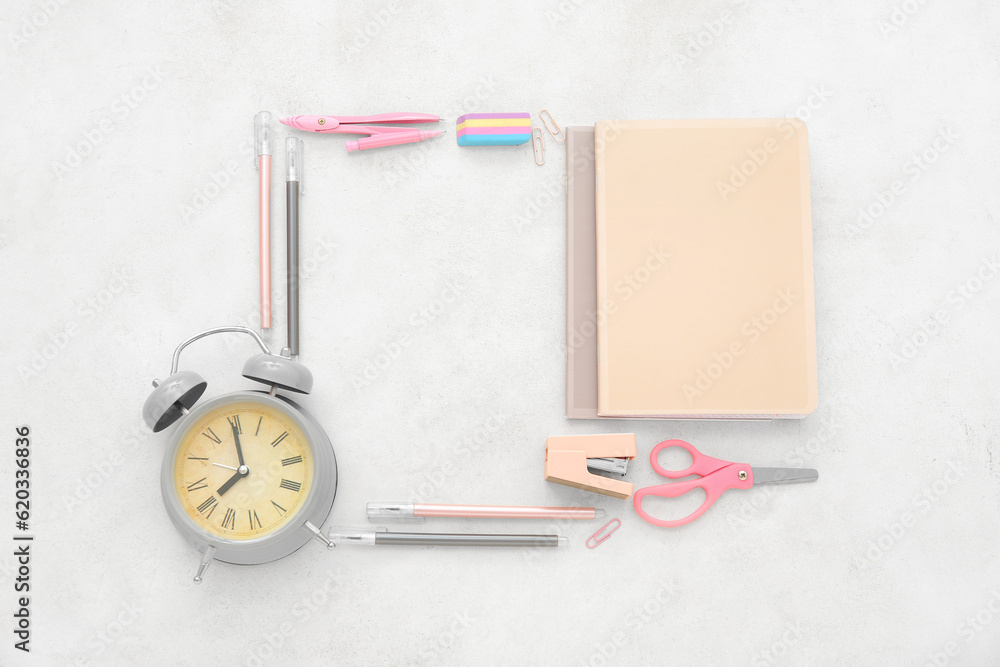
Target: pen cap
392	512
293	158
362	536
261	135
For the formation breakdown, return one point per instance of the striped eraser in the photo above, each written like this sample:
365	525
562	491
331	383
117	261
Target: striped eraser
494	129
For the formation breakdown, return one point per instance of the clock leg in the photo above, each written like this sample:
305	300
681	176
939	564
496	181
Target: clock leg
319	535
205	562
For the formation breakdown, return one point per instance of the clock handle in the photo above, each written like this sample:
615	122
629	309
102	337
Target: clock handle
205	562
209	332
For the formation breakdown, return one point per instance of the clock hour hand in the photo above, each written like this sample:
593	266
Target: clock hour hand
232	480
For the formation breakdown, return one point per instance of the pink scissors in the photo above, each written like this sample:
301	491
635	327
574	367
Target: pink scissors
715	477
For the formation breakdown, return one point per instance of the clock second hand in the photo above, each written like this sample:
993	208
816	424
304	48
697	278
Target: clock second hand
226	467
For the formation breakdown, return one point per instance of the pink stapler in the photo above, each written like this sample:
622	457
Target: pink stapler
570	458
378	135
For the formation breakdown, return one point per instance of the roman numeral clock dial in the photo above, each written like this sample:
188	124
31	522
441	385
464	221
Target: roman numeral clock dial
243	471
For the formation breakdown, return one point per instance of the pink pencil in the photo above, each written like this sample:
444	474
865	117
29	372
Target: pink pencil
380	511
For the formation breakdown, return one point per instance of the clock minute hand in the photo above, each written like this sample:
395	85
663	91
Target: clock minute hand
242	471
239	449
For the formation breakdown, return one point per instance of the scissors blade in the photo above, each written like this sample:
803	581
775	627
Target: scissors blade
783	475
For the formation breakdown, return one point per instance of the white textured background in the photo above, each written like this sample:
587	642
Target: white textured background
111	258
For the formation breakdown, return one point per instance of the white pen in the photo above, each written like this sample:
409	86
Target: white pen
262	144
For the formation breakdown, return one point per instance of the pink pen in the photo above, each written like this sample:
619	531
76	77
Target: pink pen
262	143
382	511
379	135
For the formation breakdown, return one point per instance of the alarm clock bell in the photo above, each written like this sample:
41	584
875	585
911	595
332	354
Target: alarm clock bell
173	397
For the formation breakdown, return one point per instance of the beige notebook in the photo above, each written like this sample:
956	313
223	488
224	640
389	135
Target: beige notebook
704	269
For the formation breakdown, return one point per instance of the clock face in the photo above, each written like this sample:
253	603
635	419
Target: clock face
242	502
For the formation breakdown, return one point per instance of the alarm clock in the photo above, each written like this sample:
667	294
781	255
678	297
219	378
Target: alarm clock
248	477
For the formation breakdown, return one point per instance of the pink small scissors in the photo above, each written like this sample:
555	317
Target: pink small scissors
715	477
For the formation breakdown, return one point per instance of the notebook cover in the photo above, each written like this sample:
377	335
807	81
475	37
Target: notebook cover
581	275
704	269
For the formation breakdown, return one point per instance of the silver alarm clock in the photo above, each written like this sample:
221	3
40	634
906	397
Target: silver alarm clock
248	477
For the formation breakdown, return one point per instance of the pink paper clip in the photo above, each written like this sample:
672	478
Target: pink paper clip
538	145
552	127
603	534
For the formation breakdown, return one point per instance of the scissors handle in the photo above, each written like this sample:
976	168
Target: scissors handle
714	484
700	463
716	476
